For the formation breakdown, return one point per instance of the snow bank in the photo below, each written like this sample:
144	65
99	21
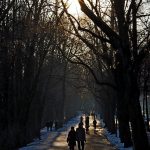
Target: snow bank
48	137
113	138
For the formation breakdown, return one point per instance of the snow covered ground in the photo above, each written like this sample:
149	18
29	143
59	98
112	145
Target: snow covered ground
115	140
48	137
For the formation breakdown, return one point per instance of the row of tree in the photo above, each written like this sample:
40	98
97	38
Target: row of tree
36	83
117	36
48	58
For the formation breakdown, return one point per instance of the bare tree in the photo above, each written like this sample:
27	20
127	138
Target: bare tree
123	38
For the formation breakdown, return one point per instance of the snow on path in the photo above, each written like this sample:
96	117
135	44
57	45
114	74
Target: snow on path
48	137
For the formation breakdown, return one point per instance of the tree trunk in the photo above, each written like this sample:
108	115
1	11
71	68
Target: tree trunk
123	120
111	121
124	129
140	139
122	111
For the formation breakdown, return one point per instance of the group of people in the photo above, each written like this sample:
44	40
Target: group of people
80	134
87	125
49	125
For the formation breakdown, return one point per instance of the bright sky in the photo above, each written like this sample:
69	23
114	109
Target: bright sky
74	8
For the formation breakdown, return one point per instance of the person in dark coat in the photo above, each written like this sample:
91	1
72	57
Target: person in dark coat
80	136
81	120
87	123
71	139
94	124
51	124
56	125
48	125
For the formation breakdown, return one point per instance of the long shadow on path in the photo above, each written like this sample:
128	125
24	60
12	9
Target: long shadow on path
56	140
97	141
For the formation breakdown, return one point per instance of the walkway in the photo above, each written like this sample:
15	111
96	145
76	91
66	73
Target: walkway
56	140
95	141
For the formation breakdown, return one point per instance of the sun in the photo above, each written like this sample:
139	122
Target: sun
74	7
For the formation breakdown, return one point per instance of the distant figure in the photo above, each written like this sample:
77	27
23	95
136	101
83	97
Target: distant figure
51	125
81	123
48	125
56	125
80	136
94	124
87	123
81	120
94	116
71	139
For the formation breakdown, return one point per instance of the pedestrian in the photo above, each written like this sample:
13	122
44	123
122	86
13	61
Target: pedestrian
81	119
87	123
51	124
48	125
71	139
56	125
94	124
80	136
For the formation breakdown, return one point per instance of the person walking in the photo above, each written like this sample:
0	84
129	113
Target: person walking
56	125
81	120
71	139
47	125
94	125
51	124
80	136
87	123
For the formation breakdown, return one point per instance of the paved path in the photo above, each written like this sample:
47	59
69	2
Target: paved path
95	141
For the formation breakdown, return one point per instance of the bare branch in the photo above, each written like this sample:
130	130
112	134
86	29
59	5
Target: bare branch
80	62
92	33
98	21
3	15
